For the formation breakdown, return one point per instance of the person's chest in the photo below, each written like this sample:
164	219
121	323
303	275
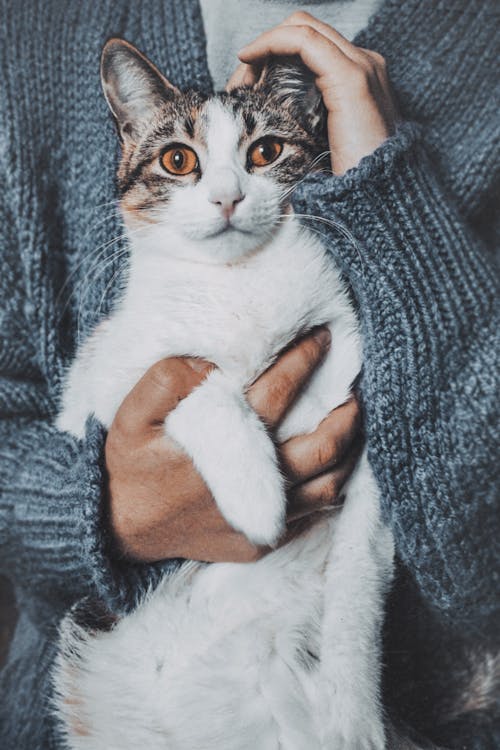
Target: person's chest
230	24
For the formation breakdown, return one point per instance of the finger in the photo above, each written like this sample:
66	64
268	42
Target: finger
244	75
318	53
159	391
322	492
306	456
302	18
275	391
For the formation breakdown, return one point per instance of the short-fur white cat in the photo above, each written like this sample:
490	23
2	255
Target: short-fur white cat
283	653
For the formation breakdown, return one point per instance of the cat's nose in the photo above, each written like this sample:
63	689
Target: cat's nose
227	203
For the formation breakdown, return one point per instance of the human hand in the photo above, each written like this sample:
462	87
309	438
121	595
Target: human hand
353	83
160	506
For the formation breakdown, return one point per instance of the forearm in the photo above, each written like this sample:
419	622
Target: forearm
53	524
427	303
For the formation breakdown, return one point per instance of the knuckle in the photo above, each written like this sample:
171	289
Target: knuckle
360	75
329	490
327	451
308	33
365	67
378	59
299	17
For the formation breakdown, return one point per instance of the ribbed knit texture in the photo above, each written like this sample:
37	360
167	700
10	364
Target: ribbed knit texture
420	212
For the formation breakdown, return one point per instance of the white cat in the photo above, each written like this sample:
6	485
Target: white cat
283	653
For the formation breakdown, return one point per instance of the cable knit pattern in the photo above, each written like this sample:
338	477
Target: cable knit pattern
420	213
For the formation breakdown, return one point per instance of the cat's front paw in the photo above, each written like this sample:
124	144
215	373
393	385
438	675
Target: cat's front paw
254	500
236	457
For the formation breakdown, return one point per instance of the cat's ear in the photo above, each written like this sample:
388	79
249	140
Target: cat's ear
134	88
292	85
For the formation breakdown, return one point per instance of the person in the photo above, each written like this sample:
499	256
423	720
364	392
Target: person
414	172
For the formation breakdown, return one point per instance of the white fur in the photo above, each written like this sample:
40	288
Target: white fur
283	653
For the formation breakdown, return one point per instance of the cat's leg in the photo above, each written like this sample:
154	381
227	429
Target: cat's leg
357	578
231	449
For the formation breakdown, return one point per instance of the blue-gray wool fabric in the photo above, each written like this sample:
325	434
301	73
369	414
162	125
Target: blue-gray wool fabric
420	231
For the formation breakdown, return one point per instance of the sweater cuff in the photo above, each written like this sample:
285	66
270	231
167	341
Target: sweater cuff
392	227
62	545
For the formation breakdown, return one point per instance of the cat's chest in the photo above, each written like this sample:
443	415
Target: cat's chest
237	317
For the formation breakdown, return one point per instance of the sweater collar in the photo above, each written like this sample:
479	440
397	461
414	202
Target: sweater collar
186	42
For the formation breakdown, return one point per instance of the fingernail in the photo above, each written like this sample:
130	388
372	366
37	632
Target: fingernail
323	337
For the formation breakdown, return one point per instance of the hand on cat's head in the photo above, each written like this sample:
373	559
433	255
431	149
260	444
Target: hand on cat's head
160	507
353	82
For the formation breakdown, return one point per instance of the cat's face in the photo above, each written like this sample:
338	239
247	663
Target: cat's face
216	170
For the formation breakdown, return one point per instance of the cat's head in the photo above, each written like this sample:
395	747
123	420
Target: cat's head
216	170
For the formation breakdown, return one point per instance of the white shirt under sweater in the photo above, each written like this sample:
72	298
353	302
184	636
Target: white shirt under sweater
230	24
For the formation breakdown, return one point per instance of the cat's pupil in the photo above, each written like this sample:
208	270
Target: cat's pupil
178	160
266	151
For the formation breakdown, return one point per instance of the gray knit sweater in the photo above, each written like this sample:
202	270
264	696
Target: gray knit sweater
421	209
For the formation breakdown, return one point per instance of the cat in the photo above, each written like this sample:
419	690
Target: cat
283	653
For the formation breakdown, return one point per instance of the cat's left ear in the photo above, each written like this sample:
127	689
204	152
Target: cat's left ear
292	85
134	88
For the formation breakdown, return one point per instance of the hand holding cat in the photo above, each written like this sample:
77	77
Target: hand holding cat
163	508
353	82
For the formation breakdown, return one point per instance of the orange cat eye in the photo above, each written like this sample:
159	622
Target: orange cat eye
179	160
265	151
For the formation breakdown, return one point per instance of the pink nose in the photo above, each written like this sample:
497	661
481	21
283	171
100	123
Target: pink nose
228	204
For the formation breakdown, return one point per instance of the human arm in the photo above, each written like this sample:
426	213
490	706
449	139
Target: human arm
427	301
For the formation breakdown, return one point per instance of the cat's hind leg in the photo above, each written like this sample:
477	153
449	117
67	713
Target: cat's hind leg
357	578
233	452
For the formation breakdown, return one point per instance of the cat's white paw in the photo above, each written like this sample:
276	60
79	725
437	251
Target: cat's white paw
234	454
254	500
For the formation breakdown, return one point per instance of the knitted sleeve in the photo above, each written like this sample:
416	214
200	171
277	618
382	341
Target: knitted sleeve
53	526
428	305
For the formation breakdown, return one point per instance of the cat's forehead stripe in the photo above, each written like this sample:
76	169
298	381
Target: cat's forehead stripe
223	131
189	125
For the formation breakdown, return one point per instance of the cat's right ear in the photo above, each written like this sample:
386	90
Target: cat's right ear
134	88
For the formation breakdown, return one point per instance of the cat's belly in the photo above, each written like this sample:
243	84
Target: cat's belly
241	629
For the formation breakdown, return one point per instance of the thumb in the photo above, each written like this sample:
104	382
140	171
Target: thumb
159	391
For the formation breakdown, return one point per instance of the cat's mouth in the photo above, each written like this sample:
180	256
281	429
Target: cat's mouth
226	230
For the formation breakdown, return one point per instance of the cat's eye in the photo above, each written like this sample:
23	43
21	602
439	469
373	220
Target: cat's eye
264	152
179	160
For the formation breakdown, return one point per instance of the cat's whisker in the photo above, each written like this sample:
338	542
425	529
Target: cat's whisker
114	202
83	259
337	226
97	253
290	190
121	252
107	287
106	261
